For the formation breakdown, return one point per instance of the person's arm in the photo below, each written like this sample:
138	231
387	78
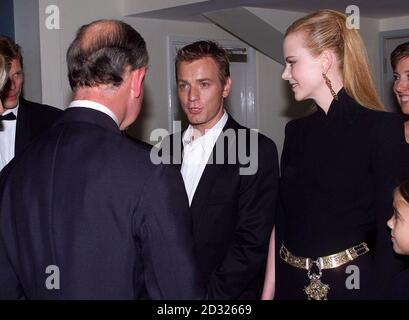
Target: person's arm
10	287
246	257
163	228
270	277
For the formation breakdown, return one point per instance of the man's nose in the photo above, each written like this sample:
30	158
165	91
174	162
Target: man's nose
8	86
193	94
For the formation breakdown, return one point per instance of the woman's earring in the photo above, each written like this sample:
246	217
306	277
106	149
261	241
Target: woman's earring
328	82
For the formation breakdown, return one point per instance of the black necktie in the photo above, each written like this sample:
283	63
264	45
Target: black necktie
8	116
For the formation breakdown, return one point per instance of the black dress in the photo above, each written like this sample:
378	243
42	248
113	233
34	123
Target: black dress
400	286
337	176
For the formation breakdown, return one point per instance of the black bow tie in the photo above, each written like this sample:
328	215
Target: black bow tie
8	116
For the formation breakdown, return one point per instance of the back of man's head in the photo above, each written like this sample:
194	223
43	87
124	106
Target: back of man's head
102	52
10	49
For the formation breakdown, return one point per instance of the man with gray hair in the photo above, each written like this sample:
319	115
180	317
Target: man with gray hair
84	214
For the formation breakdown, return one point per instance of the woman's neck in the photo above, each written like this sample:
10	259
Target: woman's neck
325	98
407	131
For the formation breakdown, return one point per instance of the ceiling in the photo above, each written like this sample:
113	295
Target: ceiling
368	8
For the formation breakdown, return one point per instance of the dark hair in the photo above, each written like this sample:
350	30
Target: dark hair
10	49
102	51
400	52
403	189
203	49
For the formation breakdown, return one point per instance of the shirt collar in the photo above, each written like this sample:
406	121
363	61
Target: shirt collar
14	110
210	135
94	105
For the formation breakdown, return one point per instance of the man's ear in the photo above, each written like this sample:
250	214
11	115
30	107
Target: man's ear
226	89
138	76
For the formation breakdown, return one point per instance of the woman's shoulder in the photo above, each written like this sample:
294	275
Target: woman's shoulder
379	118
300	122
382	119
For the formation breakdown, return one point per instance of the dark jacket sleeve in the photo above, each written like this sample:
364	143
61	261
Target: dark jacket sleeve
10	287
246	257
390	166
165	231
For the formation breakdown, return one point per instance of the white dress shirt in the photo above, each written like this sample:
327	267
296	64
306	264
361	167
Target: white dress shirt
93	105
7	138
196	153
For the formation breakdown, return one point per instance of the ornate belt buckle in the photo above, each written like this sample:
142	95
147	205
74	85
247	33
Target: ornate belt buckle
316	290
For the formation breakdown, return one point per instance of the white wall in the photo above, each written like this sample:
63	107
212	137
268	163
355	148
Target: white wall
369	31
54	43
155	108
275	102
134	7
26	27
277	105
272	93
396	23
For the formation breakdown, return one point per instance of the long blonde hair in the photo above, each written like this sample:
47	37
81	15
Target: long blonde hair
4	66
327	30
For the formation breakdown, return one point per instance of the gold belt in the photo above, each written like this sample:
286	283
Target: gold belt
316	289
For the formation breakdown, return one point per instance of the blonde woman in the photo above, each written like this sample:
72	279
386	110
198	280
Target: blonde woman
340	165
3	77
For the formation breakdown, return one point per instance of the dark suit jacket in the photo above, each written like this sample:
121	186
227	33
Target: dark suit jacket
233	216
88	200
32	120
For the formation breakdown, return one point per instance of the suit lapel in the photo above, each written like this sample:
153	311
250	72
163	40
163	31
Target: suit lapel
211	173
175	147
23	128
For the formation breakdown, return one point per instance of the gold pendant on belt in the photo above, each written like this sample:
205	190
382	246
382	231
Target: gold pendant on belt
316	290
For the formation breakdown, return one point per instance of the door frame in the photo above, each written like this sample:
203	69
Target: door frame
174	41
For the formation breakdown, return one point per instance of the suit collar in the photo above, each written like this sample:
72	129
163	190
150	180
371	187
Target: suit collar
23	127
90	116
14	110
94	105
231	124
